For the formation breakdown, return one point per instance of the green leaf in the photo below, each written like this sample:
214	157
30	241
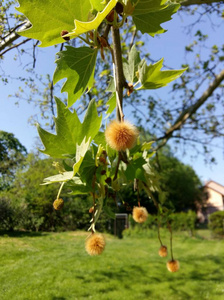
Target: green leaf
131	66
59	178
142	7
147	145
112	104
98	5
135	169
133	62
77	186
82	27
109	211
88	169
80	154
151	77
69	131
66	176
149	22
49	18
77	65
111	85
100	139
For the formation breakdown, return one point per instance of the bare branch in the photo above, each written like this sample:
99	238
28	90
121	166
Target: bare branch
14	46
188	112
12	36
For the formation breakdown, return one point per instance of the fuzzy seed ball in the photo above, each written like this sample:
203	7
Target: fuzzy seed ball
95	244
173	265
140	214
58	204
163	251
121	135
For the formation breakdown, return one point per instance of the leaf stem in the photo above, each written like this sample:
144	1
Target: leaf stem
85	40
171	240
59	192
159	234
94	204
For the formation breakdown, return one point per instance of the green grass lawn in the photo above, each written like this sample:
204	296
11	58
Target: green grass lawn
55	266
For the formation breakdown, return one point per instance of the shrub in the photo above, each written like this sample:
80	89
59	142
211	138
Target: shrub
216	223
184	221
179	221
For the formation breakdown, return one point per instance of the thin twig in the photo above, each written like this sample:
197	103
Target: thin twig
15	46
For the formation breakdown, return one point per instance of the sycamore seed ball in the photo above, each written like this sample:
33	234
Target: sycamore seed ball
173	265
140	214
95	244
121	135
163	251
58	204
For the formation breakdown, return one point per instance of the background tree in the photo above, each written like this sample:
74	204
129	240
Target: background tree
178	181
12	155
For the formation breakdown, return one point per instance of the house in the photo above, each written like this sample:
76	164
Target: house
213	200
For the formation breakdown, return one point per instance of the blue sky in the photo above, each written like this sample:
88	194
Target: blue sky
170	45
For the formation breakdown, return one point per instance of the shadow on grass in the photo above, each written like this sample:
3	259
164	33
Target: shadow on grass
20	234
123	273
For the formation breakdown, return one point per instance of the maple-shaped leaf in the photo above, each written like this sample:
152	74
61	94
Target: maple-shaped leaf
67	176
49	18
148	19
69	131
151	77
82	27
78	66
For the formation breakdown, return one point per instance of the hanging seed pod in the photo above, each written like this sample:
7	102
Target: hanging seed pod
140	214
95	244
173	265
58	204
163	251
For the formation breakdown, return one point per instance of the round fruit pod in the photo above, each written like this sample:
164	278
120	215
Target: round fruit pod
173	265
95	244
121	135
163	251
140	214
58	204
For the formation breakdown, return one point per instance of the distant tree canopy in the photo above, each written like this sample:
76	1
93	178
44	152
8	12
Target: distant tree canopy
180	187
12	154
179	182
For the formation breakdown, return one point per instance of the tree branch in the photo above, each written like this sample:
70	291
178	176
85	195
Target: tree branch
188	112
14	46
119	75
12	36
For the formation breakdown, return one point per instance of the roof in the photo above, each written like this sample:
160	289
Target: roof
215	186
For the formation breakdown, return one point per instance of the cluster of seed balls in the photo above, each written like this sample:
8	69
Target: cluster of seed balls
120	136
